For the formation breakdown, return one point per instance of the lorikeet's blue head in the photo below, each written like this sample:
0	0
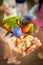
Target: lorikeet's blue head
27	19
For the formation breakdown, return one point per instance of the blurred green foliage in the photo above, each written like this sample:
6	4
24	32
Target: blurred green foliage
1	1
1	13
30	2
1	18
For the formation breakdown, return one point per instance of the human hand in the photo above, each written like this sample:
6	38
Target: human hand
36	44
36	41
7	12
4	9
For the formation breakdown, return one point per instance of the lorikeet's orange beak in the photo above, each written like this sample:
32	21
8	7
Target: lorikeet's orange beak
32	22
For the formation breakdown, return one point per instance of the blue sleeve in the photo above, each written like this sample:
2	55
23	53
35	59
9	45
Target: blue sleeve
32	12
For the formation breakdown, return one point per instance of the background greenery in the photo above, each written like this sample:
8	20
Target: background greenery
1	1
30	2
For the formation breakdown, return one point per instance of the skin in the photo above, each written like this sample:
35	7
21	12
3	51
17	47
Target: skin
36	44
36	1
8	51
4	9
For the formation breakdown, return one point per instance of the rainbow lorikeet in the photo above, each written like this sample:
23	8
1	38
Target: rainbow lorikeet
11	22
11	25
27	24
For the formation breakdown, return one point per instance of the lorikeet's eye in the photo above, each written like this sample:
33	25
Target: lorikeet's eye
26	21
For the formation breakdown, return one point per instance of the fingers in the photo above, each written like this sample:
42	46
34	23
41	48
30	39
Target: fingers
37	42
7	12
32	48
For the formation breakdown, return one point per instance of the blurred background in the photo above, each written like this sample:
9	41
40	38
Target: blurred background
15	9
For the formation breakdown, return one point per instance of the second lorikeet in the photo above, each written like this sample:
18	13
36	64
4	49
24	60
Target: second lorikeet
27	25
